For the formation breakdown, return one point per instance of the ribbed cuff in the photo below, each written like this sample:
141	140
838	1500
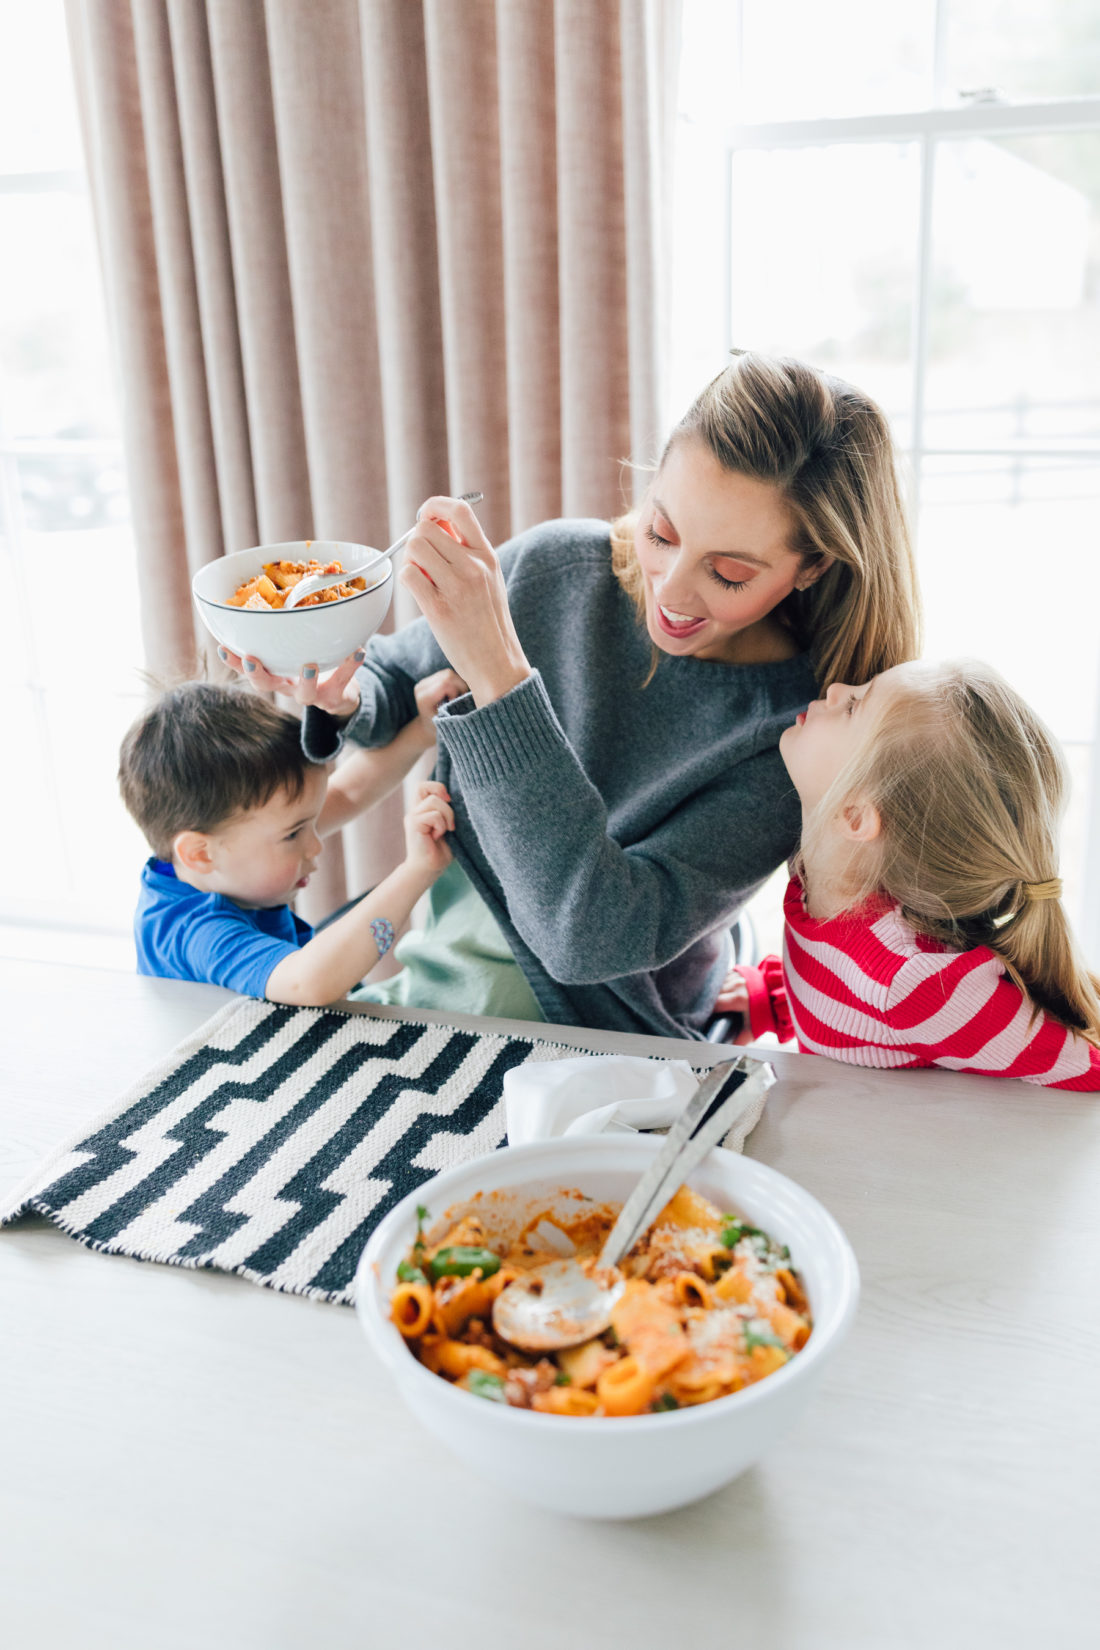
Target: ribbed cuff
322	734
760	1009
503	739
768	1006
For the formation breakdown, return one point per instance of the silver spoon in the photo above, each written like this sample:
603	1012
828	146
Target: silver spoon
559	1304
322	581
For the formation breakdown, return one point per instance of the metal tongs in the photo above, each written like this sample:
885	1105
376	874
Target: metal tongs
560	1304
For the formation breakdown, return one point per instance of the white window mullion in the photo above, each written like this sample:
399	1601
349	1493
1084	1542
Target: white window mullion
945	121
968	120
727	248
939	53
921	306
1090	916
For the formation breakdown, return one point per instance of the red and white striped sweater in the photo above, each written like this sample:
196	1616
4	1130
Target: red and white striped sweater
865	988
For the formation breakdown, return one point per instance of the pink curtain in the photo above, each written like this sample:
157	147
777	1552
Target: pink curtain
361	251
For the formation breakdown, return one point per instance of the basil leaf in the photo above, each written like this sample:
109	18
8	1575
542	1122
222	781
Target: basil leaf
760	1333
461	1260
484	1385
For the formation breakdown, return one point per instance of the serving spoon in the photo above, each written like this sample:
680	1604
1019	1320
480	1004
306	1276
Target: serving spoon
559	1304
321	581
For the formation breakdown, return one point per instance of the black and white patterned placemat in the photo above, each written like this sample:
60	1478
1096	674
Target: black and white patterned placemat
273	1140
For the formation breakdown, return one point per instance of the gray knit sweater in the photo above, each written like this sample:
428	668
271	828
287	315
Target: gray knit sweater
614	831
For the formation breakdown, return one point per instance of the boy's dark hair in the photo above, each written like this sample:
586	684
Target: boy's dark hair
204	753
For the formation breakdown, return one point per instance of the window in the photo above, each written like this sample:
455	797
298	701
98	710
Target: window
71	646
909	197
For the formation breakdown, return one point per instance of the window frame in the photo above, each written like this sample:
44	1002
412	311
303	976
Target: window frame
982	114
91	915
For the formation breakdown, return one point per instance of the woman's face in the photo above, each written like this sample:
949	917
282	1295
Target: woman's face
713	549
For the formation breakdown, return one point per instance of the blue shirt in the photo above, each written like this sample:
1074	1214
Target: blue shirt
183	934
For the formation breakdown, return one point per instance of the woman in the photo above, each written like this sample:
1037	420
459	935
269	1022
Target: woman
614	770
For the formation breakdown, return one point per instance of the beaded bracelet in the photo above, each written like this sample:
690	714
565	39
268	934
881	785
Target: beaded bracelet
382	934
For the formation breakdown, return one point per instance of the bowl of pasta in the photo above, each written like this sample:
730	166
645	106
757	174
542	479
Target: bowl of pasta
728	1310
240	601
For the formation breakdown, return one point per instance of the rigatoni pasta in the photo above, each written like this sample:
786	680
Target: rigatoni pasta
711	1304
268	590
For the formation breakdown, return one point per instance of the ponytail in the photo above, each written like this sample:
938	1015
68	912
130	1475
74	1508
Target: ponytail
1037	946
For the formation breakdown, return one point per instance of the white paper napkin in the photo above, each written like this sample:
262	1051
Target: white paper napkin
601	1094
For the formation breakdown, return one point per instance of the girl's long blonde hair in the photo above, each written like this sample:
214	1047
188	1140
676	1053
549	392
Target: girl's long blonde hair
969	785
827	448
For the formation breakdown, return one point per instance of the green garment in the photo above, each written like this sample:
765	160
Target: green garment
459	961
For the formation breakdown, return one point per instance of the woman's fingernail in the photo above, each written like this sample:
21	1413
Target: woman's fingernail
309	672
250	664
222	655
360	655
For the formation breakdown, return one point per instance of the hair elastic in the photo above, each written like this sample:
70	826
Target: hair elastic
381	929
1035	891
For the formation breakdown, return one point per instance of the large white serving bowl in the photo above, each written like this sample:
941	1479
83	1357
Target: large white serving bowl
629	1466
282	641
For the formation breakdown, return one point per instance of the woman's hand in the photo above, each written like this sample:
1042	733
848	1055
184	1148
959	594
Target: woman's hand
338	692
426	825
455	579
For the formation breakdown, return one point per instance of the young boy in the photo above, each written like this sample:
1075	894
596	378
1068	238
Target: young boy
234	813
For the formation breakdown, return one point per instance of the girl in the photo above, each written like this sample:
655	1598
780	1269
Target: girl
924	923
628	687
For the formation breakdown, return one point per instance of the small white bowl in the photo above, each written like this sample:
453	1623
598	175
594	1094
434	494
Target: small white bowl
624	1467
284	642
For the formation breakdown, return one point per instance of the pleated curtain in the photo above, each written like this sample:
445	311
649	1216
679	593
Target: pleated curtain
357	252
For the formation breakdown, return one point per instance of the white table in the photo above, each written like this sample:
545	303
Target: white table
188	1461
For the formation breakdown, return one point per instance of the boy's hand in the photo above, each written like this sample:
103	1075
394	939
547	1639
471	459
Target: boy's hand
338	692
426	825
432	692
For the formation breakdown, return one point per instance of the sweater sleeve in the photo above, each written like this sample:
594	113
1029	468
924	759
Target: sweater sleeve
592	909
387	700
962	1012
387	680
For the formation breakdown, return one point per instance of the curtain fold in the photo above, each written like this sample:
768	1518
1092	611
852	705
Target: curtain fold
320	131
261	272
460	50
529	222
595	369
103	48
178	289
361	251
189	45
406	274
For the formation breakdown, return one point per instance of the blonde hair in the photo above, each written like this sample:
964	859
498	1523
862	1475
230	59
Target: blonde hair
969	786
828	450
